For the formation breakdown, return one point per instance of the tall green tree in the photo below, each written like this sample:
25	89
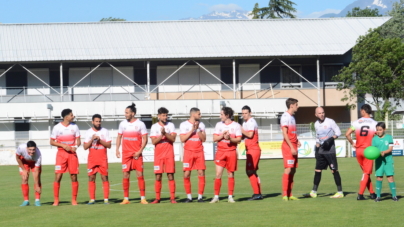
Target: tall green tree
275	9
366	12
377	68
112	19
394	28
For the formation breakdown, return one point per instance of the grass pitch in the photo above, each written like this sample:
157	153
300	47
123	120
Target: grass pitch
271	211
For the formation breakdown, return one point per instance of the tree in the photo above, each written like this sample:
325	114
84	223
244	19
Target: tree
377	68
275	9
394	27
358	12
112	19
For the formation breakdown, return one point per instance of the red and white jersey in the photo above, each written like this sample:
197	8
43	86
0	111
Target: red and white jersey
251	126
132	133
365	129
23	154
193	143
98	152
288	121
235	131
164	148
65	134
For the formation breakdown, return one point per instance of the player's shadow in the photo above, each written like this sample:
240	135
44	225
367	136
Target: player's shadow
60	203
387	196
263	195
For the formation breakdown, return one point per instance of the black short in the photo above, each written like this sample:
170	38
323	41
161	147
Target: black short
325	160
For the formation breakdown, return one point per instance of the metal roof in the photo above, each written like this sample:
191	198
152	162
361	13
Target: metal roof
181	39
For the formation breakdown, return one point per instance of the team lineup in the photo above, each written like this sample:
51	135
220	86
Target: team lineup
133	138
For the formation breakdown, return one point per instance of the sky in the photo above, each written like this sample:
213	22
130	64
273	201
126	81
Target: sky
40	11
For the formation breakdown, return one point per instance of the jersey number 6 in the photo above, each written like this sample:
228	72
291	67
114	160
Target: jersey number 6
364	131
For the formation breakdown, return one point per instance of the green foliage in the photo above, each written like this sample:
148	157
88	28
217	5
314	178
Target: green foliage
394	27
358	12
112	19
377	68
275	9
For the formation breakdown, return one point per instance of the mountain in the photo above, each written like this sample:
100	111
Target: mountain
383	5
225	15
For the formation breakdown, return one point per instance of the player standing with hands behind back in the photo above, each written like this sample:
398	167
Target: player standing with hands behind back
289	148
364	128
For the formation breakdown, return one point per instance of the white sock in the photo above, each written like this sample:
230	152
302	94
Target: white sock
216	197
26	200
142	197
127	198
92	200
230	196
189	196
36	200
200	196
340	192
106	199
312	191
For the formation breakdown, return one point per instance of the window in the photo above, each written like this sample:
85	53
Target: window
330	71
288	76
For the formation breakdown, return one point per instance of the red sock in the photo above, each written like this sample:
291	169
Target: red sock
141	184
259	184
254	183
290	185
105	185
218	184
230	185
187	185
364	183
370	186
38	195
201	185
285	184
157	188
56	187
75	189
125	185
171	185
91	189
25	191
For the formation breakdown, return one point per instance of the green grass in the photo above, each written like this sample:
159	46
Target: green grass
272	211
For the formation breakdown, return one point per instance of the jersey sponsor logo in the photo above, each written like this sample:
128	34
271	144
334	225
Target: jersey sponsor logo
89	170
58	167
291	162
186	165
156	167
130	138
124	166
193	139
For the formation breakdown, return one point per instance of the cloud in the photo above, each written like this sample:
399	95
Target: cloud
223	7
320	13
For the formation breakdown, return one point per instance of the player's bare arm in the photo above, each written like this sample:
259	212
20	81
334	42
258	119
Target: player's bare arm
118	144
185	137
144	143
78	143
246	134
37	179
349	137
88	145
285	136
388	151
202	136
235	140
24	173
56	144
171	137
217	138
105	143
156	140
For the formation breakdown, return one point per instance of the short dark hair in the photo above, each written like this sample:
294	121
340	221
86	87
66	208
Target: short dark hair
162	110
194	109
290	101
96	116
381	124
246	108
132	107
227	111
66	112
31	144
367	108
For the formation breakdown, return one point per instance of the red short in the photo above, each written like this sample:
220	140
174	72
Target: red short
226	159
194	160
289	160
165	165
93	168
365	164
253	158
129	164
66	161
29	166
